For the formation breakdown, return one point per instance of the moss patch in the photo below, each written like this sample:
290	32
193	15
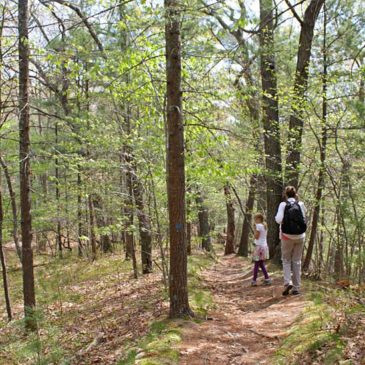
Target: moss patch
158	347
201	299
324	331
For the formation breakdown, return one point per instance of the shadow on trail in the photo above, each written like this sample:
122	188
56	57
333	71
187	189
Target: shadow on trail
248	322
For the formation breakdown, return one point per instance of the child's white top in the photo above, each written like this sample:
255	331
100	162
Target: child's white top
261	241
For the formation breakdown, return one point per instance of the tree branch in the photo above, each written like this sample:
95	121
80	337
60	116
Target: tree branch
292	9
84	19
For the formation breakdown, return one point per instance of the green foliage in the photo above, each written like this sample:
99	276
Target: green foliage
310	336
157	347
200	298
323	331
92	110
39	348
60	287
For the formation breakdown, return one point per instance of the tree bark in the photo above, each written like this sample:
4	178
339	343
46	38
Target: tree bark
229	248
128	209
24	172
296	122
58	196
2	259
341	244
271	125
144	223
12	198
122	185
13	207
362	89
322	147
247	218
2	162
188	238
178	289
129	214
339	248
80	226
204	228
188	220
66	108
68	236
92	236
164	264
101	222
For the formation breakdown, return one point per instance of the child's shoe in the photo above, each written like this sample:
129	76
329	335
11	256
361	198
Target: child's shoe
267	282
253	283
295	292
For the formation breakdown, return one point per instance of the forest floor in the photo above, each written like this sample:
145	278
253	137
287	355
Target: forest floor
96	313
247	324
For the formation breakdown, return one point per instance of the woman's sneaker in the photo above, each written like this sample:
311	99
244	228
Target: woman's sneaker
287	289
267	282
253	283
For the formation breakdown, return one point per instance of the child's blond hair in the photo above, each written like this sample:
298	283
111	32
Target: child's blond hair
260	217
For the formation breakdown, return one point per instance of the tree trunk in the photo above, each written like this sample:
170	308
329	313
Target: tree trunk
68	236
188	238
178	289
92	236
338	254
80	229
204	228
58	233
127	157
2	162
321	261
247	218
188	222
101	222
229	248
362	89
122	185
271	125
144	223
24	150
11	193
323	147
261	203
341	264
14	208
128	211
300	87
130	248
2	259
66	108
164	264
105	241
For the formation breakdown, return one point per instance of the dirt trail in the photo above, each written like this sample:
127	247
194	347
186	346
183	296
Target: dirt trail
248	322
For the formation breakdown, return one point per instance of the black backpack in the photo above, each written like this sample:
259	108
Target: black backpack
294	221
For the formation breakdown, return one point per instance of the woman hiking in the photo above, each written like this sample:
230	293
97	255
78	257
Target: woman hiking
291	217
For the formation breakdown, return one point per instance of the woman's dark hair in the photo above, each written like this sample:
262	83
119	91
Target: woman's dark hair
290	192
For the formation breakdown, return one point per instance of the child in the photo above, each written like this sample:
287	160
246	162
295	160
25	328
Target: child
261	251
